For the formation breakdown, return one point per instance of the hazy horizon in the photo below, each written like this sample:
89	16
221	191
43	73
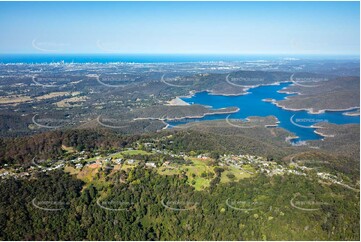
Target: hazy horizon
188	28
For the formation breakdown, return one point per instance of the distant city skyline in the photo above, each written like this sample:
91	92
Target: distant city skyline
290	28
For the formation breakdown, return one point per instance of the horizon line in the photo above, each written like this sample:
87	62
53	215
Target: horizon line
219	54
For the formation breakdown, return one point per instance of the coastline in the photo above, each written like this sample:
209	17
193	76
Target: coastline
211	92
245	89
273	101
190	117
276	125
352	113
311	110
177	102
323	135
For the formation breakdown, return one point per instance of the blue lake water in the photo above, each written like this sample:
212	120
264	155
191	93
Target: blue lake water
252	105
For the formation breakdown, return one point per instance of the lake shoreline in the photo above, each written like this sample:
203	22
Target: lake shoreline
273	101
190	117
310	110
273	96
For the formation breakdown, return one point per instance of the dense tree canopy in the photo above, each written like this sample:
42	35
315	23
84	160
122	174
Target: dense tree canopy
142	205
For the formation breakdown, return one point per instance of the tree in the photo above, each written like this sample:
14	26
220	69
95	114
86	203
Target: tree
231	176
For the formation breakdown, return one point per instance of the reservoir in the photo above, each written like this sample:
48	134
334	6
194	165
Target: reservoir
252	104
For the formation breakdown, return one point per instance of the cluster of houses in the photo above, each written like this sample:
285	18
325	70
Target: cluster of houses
272	168
261	165
329	177
108	162
6	174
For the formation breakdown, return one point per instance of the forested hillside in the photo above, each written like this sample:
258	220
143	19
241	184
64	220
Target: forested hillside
141	205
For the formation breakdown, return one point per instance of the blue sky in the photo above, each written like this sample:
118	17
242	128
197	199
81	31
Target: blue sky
181	27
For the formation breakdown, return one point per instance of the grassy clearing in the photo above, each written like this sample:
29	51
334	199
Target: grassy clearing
199	166
71	102
92	175
200	183
125	167
117	155
14	99
135	152
94	159
68	149
71	170
248	168
238	174
168	171
52	95
193	172
87	174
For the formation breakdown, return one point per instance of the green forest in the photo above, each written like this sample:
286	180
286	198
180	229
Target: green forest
142	205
